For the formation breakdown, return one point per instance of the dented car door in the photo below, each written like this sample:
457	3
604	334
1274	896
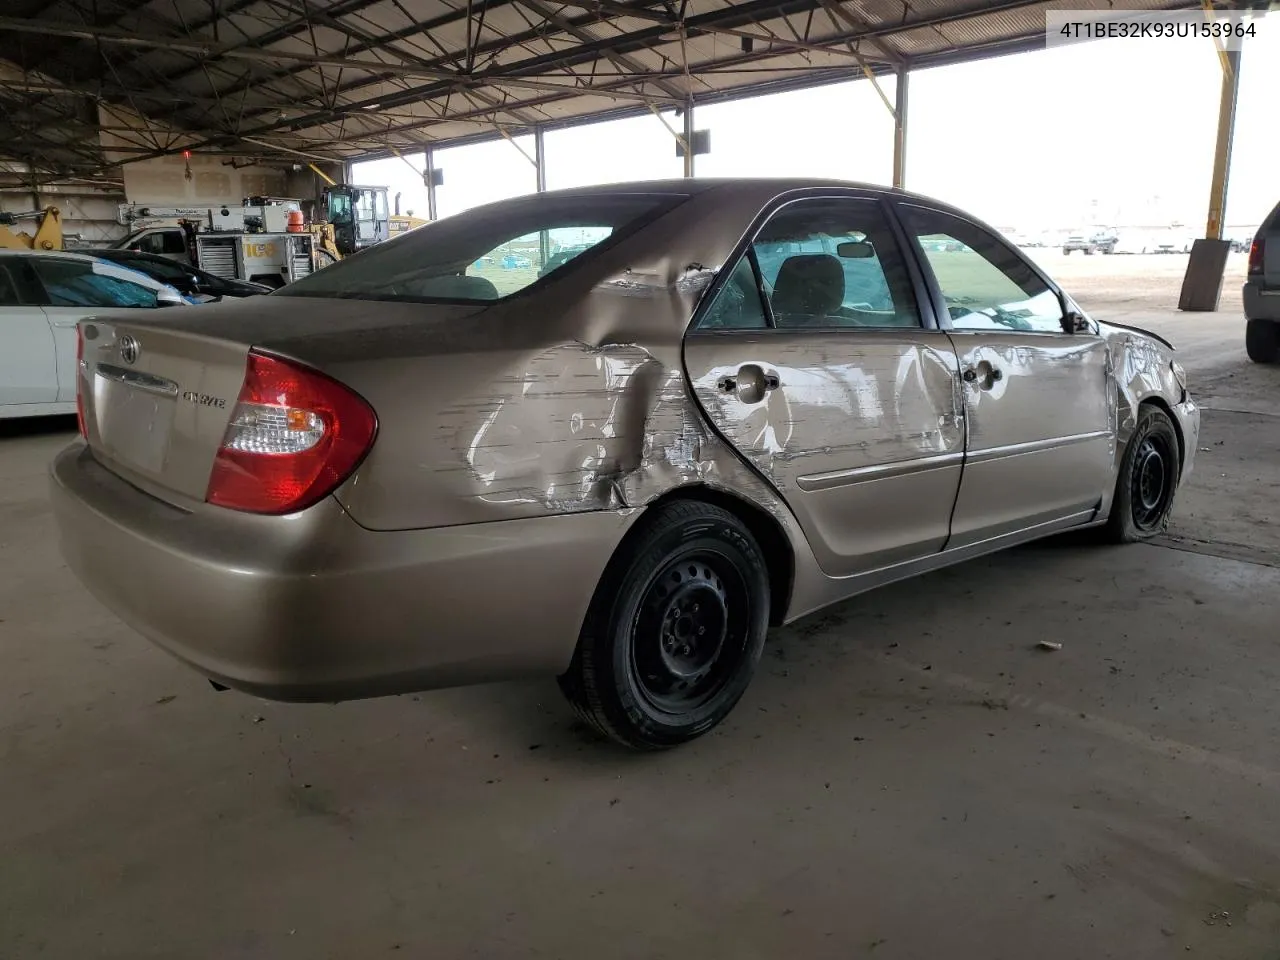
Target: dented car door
813	360
1039	399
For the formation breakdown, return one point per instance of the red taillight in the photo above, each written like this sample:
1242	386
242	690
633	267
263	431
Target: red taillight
294	436
84	432
1255	256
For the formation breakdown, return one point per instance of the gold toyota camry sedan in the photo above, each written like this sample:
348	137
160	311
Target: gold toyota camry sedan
609	435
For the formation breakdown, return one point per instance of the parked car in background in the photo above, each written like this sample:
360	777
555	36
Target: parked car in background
199	285
1104	241
1262	292
42	297
1078	242
393	475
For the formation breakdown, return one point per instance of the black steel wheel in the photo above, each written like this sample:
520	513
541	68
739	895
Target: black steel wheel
1148	479
675	631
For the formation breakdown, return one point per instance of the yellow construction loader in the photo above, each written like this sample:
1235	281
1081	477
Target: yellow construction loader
48	230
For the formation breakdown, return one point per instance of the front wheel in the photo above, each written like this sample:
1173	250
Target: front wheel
675	631
1147	481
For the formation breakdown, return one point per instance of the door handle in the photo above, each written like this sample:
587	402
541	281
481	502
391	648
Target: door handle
994	375
751	383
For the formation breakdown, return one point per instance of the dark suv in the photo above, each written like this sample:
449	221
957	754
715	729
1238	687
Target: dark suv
1262	293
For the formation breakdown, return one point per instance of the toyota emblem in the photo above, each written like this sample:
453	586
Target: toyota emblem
129	349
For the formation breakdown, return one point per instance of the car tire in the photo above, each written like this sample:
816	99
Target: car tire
1148	479
1262	341
647	672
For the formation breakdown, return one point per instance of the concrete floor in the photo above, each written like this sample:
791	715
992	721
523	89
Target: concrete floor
908	777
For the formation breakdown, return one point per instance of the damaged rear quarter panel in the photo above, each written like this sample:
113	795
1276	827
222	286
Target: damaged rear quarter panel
573	399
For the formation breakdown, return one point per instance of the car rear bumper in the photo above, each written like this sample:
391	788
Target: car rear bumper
315	607
1260	304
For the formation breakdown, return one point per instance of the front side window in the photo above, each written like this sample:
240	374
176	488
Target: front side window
484	254
70	283
171	242
834	263
986	285
148	243
339	208
165	270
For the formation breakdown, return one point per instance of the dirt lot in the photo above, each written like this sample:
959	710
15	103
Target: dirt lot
908	778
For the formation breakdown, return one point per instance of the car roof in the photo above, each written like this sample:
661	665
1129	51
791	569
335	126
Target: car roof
50	254
724	184
732	189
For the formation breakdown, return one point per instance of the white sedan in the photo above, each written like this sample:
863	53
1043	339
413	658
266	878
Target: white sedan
42	296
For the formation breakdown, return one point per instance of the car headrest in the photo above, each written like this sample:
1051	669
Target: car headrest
809	285
458	287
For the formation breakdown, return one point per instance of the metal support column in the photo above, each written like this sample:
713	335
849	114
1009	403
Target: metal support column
1202	283
429	175
540	159
900	130
1222	150
540	178
688	137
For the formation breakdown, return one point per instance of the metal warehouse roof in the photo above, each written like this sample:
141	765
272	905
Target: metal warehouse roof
348	78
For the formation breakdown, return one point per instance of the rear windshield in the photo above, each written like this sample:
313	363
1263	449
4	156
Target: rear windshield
485	254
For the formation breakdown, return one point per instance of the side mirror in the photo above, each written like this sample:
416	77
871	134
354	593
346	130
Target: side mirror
1074	322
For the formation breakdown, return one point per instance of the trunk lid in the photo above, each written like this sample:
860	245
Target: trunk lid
159	391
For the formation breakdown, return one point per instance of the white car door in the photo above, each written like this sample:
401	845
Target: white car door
28	371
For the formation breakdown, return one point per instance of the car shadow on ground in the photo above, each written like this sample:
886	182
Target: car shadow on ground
13	428
532	715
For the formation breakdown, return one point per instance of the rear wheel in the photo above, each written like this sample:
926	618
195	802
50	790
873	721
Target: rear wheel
1262	341
1147	481
675	631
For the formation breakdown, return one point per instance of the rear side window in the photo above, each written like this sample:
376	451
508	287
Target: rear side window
834	263
70	283
485	254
